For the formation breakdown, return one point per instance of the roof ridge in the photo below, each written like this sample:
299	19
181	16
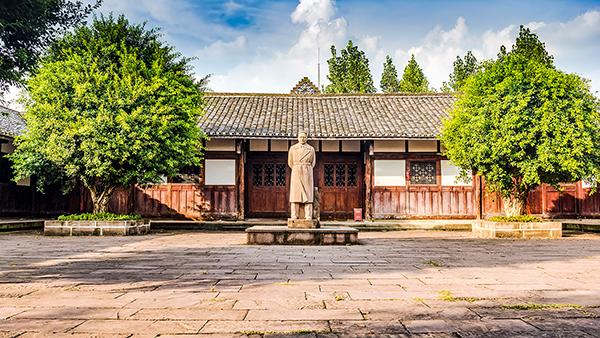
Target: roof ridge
213	94
10	109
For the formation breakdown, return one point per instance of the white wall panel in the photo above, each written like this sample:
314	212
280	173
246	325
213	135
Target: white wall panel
422	146
450	174
259	145
351	146
220	144
389	146
390	173
279	145
219	172
330	146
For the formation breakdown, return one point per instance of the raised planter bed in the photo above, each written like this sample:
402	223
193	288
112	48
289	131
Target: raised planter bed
489	229
96	228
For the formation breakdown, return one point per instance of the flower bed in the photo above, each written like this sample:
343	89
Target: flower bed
523	229
100	224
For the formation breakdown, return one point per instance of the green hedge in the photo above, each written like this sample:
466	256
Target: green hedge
521	219
101	216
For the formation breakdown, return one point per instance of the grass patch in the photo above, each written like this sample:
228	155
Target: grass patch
434	263
339	298
520	219
101	216
534	306
447	296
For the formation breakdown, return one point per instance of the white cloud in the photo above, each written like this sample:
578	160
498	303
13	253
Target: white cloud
280	70
222	48
437	52
231	7
574	44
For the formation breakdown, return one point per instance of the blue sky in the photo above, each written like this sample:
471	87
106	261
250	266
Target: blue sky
267	46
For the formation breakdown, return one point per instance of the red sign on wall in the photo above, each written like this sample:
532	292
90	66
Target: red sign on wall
358	214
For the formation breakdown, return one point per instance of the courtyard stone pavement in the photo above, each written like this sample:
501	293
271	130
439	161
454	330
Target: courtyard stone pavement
411	283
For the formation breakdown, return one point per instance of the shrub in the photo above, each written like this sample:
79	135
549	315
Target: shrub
521	219
101	216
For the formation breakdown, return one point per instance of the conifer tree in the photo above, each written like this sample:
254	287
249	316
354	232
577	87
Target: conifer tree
389	78
413	80
462	69
349	72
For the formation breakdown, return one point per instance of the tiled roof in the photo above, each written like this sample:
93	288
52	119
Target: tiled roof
346	116
11	122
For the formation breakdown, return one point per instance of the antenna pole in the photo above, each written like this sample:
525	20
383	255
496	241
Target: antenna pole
319	67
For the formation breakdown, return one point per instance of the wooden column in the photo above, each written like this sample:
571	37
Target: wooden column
368	180
477	186
241	187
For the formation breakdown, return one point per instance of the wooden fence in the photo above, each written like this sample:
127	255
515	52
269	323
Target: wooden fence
174	200
572	200
18	200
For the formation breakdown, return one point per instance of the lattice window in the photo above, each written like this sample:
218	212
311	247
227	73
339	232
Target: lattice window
423	172
280	174
352	179
257	171
328	173
269	174
340	175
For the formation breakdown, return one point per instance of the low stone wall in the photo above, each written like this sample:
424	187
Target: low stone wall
95	228
487	229
282	235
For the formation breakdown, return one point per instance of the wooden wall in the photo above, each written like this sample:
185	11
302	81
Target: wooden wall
175	200
573	200
18	200
423	202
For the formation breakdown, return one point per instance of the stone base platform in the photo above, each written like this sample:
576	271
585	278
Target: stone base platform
95	228
273	235
303	223
487	229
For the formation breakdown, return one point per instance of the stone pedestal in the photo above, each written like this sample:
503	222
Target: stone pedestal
302	223
282	235
487	229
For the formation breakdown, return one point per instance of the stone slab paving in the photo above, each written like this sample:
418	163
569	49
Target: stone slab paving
411	283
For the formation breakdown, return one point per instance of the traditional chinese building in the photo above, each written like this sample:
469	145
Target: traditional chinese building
375	152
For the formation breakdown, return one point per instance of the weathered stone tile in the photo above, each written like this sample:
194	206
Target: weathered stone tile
77	313
47	326
305	314
281	326
426	326
371	327
6	312
189	314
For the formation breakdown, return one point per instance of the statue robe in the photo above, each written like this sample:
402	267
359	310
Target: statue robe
301	158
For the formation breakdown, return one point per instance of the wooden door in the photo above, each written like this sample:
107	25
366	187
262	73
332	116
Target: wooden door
340	178
267	185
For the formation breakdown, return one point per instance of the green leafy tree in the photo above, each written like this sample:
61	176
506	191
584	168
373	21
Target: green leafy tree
111	105
349	72
27	27
461	70
389	78
520	122
413	80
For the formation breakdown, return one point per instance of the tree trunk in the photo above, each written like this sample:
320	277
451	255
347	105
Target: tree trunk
515	204
100	198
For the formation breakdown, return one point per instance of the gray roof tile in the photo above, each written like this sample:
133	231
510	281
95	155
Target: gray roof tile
11	122
346	116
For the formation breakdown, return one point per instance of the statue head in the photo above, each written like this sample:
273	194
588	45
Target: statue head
302	137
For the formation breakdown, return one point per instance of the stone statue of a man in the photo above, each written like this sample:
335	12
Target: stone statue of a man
301	158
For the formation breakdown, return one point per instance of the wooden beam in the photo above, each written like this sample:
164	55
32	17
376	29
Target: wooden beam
478	196
241	187
368	180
